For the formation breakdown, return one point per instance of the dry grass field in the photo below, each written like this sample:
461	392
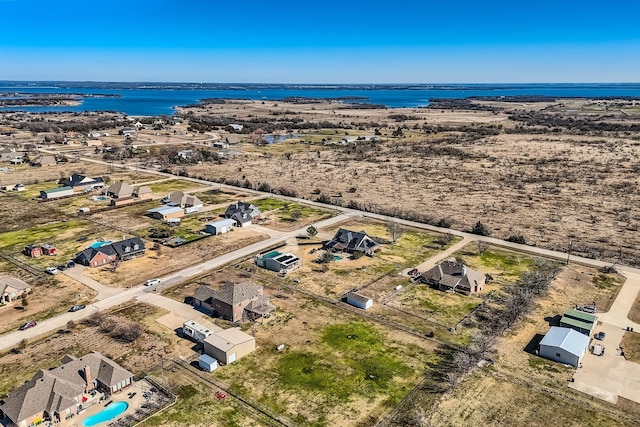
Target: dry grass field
549	183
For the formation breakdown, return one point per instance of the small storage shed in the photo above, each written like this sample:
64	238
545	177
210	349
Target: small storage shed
220	227
207	363
564	345
33	251
48	249
357	300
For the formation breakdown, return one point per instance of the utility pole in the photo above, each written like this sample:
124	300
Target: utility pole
570	247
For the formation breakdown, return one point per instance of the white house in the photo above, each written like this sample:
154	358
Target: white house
564	345
357	300
220	227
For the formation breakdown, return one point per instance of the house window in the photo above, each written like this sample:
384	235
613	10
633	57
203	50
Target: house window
136	247
104	261
558	355
127	249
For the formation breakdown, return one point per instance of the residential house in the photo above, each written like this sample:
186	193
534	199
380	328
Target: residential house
9	154
43	160
358	300
219	227
221	145
55	394
33	251
229	345
187	202
94	135
236	127
56	193
234	301
12	288
122	250
451	275
564	345
119	189
165	213
142	193
127	131
243	213
580	321
276	261
83	183
352	241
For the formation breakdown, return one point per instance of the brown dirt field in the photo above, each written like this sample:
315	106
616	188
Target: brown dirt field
483	399
634	313
135	271
631	345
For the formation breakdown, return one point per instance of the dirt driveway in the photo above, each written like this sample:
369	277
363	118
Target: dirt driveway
610	375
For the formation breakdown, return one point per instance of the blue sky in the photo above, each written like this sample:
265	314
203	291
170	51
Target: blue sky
402	41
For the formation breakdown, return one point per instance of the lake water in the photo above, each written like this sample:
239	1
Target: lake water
144	100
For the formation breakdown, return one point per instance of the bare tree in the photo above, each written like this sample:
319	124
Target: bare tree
482	247
296	214
115	264
444	239
395	230
312	231
95	318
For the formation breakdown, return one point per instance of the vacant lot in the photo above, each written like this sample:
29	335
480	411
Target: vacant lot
631	346
550	171
331	372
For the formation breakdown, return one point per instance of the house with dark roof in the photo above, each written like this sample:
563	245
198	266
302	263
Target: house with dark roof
352	241
83	183
12	288
122	250
234	301
243	213
55	394
451	275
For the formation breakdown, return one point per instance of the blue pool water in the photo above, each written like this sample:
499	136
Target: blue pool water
337	258
100	243
107	414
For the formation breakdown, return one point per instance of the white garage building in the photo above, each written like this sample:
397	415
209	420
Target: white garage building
564	345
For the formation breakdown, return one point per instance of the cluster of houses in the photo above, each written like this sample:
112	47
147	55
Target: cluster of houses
57	394
568	342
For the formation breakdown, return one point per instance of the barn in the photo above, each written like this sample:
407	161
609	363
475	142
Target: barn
220	227
564	345
357	300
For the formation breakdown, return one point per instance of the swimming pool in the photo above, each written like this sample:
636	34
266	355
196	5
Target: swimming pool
107	414
337	258
100	243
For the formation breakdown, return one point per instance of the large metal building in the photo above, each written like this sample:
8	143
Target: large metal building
564	345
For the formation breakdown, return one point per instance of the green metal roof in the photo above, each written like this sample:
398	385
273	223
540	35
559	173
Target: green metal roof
577	314
576	323
55	190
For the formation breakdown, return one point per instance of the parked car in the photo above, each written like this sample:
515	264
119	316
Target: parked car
600	336
77	307
152	282
52	270
71	264
29	324
61	267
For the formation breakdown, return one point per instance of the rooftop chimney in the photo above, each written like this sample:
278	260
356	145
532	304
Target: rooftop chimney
87	378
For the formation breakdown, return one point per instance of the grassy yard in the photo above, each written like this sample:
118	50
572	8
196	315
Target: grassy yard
173	185
285	209
441	307
503	265
215	197
328	368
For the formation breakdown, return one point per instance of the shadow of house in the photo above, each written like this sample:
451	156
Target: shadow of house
553	321
534	344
